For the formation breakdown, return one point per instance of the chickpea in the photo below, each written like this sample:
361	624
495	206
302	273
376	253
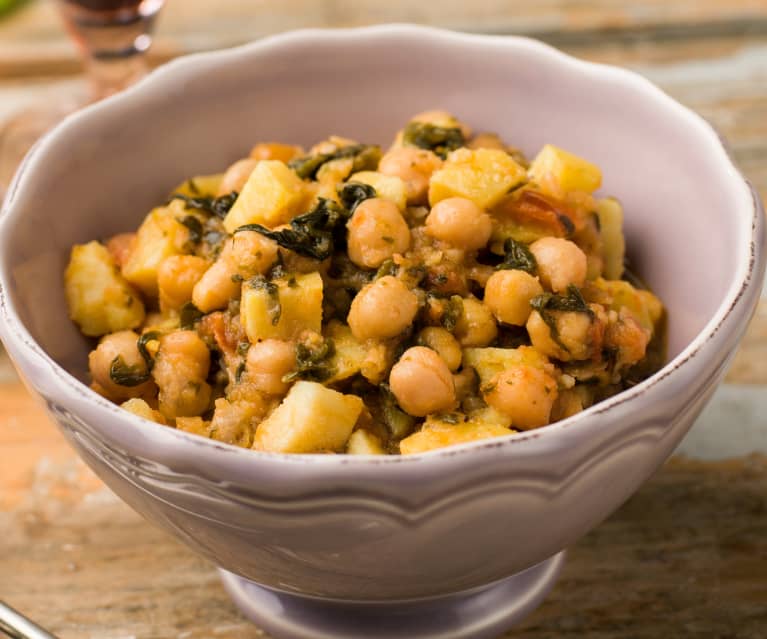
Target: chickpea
476	326
377	231
382	309
440	117
181	367
275	151
508	294
460	222
443	343
560	263
267	363
525	393
244	255
628	337
421	382
414	167
486	141
122	345
236	176
177	276
575	332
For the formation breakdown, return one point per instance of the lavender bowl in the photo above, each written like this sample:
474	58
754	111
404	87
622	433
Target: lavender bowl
459	542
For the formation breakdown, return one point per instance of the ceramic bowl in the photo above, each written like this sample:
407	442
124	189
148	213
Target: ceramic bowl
458	542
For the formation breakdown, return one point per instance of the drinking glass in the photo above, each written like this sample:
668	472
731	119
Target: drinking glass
112	37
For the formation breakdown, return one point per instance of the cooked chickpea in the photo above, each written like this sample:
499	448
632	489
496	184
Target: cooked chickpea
236	176
476	326
244	255
120	247
443	343
574	330
440	117
421	382
382	309
414	167
181	367
460	222
524	393
486	141
177	276
275	151
628	337
267	363
560	263
508	294
377	231
122	345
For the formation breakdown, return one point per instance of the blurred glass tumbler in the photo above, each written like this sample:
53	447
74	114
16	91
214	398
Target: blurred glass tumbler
112	37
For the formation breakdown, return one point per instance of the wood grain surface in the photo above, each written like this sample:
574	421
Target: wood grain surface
685	558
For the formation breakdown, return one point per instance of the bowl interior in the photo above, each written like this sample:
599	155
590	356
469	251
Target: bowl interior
104	169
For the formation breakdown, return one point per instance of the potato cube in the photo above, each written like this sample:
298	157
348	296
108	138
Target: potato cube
646	307
437	433
142	409
363	442
100	300
350	354
484	176
311	419
159	236
388	187
273	195
558	172
282	309
610	214
488	362
200	186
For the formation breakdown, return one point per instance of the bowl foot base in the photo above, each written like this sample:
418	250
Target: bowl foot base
476	614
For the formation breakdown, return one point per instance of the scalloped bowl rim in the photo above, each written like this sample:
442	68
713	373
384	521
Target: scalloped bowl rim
176	70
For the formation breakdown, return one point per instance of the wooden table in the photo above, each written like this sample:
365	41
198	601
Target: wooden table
684	558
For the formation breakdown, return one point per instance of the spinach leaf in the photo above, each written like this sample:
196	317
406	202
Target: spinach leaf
352	194
517	256
313	362
397	421
313	234
189	315
195	228
452	313
441	140
141	345
217	206
548	303
123	375
366	158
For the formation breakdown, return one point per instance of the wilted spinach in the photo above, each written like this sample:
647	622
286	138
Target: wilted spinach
517	256
548	303
188	316
123	375
313	234
366	158
313	362
352	194
195	228
217	206
439	139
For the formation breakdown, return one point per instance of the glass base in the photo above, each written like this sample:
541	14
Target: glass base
477	614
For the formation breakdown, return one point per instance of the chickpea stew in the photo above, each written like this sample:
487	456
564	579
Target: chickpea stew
351	300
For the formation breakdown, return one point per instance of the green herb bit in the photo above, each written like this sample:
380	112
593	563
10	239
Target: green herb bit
517	256
217	206
195	228
451	418
273	291
145	338
366	157
123	375
353	194
313	234
243	348
440	140
397	421
189	315
453	311
548	303
313	362
238	373
388	267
